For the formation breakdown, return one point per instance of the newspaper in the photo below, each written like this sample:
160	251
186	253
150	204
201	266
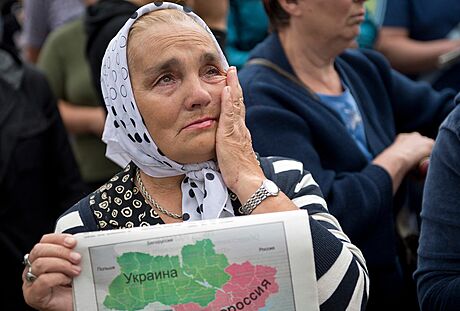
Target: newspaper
258	262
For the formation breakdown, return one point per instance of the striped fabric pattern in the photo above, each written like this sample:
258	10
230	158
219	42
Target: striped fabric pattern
343	281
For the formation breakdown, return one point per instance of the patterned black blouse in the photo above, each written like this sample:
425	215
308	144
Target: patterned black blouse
119	203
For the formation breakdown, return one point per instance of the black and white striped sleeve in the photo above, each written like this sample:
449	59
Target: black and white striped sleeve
343	282
78	218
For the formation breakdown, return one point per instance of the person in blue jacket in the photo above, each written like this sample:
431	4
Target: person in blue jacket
416	33
356	124
438	272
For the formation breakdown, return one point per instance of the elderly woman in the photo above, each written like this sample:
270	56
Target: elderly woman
358	126
176	121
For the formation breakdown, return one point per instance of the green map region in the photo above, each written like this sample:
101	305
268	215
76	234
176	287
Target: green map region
198	279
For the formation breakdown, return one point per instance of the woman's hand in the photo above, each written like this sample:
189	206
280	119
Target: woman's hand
236	158
235	155
406	152
54	263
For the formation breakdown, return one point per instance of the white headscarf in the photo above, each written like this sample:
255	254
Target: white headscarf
204	194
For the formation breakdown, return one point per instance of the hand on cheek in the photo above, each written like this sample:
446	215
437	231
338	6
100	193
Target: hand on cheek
235	156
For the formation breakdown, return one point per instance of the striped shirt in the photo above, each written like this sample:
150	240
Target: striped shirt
342	277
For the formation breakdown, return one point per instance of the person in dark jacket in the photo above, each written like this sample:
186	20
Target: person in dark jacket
102	21
356	124
417	35
438	272
10	14
39	177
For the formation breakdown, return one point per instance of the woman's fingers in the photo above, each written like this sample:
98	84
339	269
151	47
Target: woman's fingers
55	245
38	294
236	93
53	264
226	113
413	147
232	81
44	265
59	238
47	281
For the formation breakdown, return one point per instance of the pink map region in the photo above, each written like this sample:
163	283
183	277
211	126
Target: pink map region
248	289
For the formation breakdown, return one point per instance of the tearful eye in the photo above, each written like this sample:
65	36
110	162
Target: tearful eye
165	80
212	72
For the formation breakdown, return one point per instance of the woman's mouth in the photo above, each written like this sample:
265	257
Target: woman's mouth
202	123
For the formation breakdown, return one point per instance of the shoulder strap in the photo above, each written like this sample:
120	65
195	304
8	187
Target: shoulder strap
282	72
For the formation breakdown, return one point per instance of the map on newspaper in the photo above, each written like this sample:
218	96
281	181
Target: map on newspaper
241	268
198	272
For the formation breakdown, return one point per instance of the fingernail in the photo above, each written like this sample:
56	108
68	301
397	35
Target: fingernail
227	90
76	269
69	241
75	256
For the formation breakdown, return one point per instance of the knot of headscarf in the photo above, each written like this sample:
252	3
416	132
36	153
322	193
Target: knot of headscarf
204	193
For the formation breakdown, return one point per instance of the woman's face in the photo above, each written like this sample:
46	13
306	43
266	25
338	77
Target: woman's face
177	79
338	20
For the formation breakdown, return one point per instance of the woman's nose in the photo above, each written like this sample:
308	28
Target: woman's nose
197	95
